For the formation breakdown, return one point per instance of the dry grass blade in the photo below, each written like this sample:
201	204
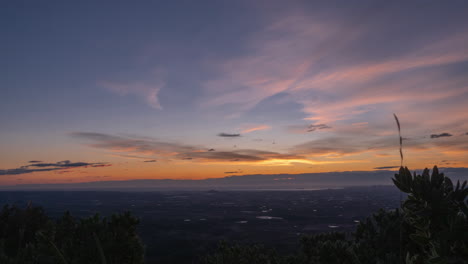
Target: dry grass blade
401	166
54	246
101	251
401	139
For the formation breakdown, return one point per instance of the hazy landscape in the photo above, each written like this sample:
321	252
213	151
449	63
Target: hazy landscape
234	132
306	181
178	227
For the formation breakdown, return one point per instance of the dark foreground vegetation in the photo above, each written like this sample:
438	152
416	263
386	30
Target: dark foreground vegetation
29	236
430	227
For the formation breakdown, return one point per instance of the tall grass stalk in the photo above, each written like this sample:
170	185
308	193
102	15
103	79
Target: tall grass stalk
99	246
57	250
401	139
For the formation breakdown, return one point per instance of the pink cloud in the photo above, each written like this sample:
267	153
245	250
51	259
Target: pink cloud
251	128
298	55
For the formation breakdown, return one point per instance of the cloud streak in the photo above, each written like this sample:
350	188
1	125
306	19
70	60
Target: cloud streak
228	135
386	167
441	135
249	129
336	78
344	144
314	127
148	90
167	150
302	129
57	166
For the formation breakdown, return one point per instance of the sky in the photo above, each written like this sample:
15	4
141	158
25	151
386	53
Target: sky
123	90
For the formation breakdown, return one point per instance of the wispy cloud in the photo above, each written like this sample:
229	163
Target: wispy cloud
228	135
386	167
342	144
242	155
251	128
134	146
148	90
314	127
301	129
175	151
324	66
62	166
441	135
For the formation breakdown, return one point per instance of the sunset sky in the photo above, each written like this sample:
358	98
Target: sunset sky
116	90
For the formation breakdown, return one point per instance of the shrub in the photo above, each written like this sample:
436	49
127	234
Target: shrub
437	212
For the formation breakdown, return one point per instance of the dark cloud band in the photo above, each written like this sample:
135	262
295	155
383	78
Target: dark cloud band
42	167
312	128
386	167
441	135
145	146
228	135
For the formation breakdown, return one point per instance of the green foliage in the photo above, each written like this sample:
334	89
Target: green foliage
29	236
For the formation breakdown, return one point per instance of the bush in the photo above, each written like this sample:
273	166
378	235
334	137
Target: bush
437	212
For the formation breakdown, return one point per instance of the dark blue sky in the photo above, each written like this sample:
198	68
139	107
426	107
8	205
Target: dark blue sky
310	86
